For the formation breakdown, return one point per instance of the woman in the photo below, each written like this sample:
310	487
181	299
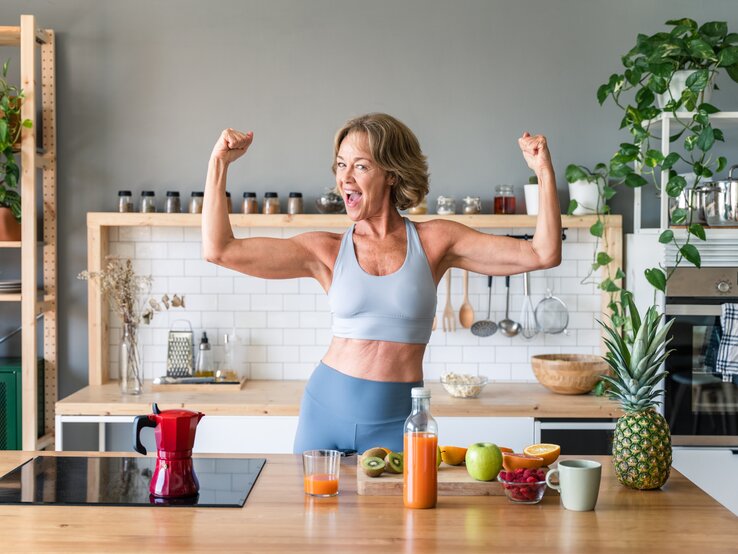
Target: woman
381	275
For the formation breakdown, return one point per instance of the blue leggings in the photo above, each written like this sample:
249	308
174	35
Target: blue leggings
343	412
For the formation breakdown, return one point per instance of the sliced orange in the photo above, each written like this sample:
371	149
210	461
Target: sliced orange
453	455
505	449
549	452
511	462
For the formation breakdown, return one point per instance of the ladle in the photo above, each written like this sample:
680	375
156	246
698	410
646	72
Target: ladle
508	327
486	327
466	312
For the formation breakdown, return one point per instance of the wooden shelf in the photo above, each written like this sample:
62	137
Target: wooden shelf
12	297
11	36
339	221
10	244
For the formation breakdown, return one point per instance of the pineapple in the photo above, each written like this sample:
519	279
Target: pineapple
641	446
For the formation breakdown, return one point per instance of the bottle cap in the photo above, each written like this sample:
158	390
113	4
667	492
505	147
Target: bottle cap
204	339
172	193
295	195
147	193
124	193
270	195
420	392
197	194
249	195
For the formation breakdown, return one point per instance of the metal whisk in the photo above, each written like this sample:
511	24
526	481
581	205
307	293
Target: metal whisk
528	325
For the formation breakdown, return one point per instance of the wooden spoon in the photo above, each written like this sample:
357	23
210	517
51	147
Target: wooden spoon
466	312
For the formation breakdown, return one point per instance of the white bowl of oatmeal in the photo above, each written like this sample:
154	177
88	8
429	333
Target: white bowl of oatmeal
460	385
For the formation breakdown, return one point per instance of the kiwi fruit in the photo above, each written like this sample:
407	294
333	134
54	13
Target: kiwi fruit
373	466
375	452
393	462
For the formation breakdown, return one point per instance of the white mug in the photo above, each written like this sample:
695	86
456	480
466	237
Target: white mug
578	483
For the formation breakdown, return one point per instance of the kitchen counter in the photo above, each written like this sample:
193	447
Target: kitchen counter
278	517
282	398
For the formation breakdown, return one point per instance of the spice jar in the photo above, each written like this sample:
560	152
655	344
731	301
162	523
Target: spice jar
125	201
173	205
504	200
271	203
229	203
446	205
250	205
148	201
196	199
420	208
472	205
294	203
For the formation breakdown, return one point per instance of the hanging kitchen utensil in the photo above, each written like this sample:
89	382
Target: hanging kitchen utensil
180	351
552	315
466	312
449	320
486	327
528	325
508	327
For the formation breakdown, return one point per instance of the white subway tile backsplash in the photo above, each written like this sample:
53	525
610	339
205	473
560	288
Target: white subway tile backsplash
283	326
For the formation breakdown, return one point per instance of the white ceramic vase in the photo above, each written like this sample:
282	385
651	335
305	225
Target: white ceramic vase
678	84
587	195
531	199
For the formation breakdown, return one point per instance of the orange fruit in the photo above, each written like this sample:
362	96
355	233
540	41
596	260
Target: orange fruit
504	449
511	462
549	452
453	455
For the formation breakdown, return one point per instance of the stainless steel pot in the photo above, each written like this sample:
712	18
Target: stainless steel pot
690	197
721	201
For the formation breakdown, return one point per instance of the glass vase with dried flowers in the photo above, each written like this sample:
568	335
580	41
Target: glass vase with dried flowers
128	295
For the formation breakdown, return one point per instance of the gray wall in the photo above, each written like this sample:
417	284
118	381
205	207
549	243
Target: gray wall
145	87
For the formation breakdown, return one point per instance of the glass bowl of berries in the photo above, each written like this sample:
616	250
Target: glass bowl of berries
523	486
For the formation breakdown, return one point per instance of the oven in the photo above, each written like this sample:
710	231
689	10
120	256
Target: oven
700	401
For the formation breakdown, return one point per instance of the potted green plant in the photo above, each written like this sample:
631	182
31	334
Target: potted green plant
636	347
586	189
11	98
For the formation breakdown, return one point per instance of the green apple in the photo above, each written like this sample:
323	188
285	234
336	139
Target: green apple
483	461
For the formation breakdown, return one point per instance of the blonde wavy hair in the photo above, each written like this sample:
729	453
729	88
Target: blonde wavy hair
395	149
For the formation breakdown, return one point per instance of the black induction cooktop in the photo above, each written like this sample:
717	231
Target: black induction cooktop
116	481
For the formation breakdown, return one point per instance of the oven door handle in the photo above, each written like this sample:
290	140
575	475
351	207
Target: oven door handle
693	309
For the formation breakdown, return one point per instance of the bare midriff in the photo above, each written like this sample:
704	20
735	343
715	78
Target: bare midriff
376	360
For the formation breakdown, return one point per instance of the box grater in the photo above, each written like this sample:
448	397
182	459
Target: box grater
180	351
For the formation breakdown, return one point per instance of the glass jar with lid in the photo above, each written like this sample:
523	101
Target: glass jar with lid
173	205
420	208
472	205
125	201
271	203
504	199
295	203
148	201
250	204
446	205
196	199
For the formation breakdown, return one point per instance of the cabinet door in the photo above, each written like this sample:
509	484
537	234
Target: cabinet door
10	412
512	432
246	434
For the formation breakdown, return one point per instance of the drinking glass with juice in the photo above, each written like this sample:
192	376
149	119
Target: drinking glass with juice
320	469
420	473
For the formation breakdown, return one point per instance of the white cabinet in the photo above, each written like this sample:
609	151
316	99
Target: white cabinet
513	432
246	434
714	470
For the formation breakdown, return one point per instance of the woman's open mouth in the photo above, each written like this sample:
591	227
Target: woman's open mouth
353	197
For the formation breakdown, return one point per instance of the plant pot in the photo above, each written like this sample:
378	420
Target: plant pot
678	84
531	199
10	228
587	194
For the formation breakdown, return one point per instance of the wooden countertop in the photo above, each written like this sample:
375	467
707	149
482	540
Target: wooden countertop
278	517
282	398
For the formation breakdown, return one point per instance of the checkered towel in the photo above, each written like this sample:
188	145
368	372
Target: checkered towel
727	357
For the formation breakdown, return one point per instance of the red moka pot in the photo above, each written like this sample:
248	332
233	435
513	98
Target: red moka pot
174	476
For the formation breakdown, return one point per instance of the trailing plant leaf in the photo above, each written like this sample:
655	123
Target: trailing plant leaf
666	236
691	254
698	231
657	278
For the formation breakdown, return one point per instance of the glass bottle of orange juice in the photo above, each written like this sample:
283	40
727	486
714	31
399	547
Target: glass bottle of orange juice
420	471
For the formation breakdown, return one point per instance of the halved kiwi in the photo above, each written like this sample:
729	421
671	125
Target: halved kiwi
376	452
373	466
394	462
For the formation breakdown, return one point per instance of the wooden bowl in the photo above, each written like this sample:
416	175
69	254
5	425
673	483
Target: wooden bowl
569	373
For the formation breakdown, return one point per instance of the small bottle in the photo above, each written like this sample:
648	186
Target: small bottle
148	201
173	204
229	203
420	472
295	204
125	201
250	204
420	208
271	203
504	200
227	370
205	365
196	199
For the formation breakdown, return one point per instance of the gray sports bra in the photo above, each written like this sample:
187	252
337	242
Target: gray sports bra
398	307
